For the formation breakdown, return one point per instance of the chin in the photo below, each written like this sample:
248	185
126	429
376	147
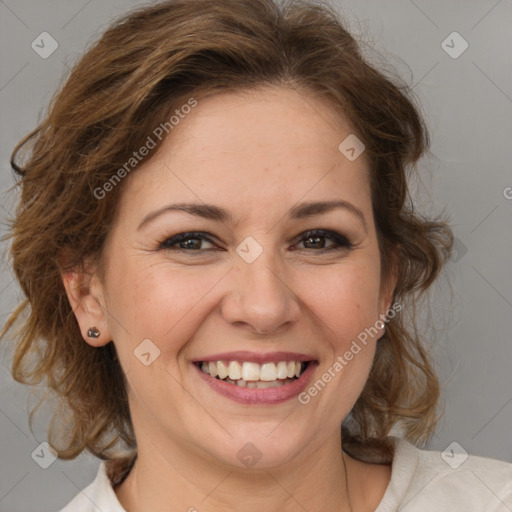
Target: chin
260	446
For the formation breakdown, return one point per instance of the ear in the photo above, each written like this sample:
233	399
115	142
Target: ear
388	285
85	294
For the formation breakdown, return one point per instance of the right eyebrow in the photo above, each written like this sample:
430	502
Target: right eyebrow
206	211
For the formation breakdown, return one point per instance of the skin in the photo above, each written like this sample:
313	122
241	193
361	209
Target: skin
257	155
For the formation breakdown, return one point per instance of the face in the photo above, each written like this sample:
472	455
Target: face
273	287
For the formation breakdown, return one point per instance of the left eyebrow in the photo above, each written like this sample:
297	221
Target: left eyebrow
216	213
305	210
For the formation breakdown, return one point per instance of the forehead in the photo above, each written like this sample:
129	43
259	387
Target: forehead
262	148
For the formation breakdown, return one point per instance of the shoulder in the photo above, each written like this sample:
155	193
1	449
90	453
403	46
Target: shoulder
99	496
424	480
82	502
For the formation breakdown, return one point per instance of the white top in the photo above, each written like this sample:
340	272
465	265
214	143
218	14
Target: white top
421	481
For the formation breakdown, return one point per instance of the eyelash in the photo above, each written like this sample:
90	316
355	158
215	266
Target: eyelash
340	242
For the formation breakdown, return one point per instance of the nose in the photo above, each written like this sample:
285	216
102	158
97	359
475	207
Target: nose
260	299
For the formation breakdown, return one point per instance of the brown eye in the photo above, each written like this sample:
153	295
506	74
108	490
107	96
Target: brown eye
316	239
189	242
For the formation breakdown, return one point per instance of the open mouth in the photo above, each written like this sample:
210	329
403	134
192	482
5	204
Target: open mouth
251	375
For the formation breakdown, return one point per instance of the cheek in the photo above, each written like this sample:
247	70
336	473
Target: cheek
160	302
345	302
345	299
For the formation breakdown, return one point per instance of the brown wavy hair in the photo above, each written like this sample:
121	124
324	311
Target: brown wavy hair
145	66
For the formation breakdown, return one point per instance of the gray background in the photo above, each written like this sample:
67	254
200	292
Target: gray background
468	105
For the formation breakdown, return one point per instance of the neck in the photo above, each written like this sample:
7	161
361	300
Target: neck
314	480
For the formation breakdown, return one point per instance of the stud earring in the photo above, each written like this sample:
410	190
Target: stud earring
93	332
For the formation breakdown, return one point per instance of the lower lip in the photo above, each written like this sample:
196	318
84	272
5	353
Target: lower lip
265	396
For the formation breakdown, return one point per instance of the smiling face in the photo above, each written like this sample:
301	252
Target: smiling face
257	289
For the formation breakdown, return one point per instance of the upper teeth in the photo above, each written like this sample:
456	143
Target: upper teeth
249	371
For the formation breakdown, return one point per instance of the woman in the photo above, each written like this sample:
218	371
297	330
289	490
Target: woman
218	253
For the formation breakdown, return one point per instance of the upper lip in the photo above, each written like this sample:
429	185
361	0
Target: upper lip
255	357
